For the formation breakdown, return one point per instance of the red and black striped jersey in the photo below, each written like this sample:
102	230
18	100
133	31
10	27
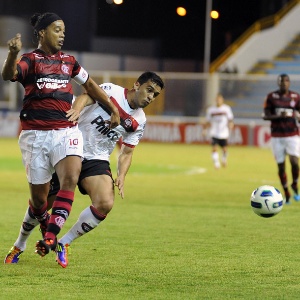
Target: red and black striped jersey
48	89
276	103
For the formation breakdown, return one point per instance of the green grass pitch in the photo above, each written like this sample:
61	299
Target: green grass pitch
183	231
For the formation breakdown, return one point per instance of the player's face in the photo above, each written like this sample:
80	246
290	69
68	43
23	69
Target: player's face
284	83
145	93
219	100
53	36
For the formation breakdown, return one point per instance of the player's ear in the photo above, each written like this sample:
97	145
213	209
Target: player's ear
136	85
42	32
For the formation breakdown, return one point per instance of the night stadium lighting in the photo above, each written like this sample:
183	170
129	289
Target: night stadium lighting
181	11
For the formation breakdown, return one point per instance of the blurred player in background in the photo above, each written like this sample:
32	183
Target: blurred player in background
99	142
48	140
219	121
282	107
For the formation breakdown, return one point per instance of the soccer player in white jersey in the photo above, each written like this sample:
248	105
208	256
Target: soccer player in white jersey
99	140
219	120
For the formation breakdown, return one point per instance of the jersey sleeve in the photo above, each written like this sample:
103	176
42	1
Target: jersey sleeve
133	138
79	74
298	103
267	102
230	114
23	66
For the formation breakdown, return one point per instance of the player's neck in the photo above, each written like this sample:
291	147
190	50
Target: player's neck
130	101
284	92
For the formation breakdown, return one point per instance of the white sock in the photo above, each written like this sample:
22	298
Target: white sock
29	223
86	222
215	158
224	158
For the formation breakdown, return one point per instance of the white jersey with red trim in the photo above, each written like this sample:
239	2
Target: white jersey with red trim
98	140
219	117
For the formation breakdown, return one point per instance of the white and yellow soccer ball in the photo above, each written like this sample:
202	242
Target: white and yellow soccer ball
266	201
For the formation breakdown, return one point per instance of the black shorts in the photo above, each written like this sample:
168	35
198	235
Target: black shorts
220	142
89	168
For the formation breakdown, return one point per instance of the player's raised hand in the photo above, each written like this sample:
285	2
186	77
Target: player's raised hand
15	44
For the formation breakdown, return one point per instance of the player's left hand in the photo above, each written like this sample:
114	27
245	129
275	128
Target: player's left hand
120	185
73	115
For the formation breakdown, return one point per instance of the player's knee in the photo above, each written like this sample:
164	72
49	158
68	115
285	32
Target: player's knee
294	161
68	182
39	195
104	207
38	201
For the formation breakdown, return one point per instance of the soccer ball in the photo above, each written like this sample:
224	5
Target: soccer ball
266	201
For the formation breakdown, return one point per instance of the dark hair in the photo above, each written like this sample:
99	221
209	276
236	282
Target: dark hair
283	75
41	21
151	76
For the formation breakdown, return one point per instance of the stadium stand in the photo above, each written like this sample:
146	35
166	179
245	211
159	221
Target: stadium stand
247	99
287	61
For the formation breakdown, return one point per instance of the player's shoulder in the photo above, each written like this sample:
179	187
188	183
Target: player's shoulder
108	86
294	94
113	90
32	55
227	106
273	94
211	108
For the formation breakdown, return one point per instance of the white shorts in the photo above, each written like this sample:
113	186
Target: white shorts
282	146
43	149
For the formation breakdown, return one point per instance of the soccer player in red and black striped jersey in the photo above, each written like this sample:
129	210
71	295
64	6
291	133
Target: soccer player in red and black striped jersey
282	108
49	141
99	142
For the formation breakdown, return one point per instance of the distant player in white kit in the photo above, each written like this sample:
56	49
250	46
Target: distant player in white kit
99	141
219	120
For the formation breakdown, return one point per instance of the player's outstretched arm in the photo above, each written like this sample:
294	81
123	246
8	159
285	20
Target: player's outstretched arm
79	103
124	162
